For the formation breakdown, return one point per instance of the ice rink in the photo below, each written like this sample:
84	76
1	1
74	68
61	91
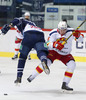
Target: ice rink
43	87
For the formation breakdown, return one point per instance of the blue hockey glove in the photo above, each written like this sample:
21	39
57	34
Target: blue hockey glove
5	29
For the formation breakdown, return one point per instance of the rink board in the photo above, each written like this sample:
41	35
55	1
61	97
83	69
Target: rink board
34	56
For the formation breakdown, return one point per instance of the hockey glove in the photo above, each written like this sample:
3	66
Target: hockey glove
58	45
5	29
76	34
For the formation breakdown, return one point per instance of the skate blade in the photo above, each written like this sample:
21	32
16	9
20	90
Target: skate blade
67	91
46	69
17	84
15	59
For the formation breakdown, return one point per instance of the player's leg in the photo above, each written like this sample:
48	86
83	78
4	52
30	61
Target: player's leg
17	47
29	56
24	50
42	53
69	72
20	67
68	75
38	70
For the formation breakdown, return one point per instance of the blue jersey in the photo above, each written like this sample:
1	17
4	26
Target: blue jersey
24	25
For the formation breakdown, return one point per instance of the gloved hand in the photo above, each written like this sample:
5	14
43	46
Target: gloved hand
58	45
76	33
5	29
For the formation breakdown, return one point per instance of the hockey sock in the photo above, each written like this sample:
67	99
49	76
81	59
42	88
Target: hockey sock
21	64
69	72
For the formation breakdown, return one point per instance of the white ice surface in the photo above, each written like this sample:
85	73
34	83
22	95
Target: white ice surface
43	87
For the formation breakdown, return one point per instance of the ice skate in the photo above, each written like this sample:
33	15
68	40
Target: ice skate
65	88
30	78
45	67
17	81
15	57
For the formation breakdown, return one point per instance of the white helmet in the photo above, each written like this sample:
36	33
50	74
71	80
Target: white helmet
62	25
27	14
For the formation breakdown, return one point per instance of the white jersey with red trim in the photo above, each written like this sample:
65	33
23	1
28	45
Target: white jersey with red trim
54	36
18	33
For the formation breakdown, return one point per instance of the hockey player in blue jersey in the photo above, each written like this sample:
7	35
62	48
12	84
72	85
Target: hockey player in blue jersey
33	38
19	38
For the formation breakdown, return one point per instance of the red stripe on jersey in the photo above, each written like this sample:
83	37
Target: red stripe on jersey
57	31
82	35
48	38
68	74
18	40
39	70
16	49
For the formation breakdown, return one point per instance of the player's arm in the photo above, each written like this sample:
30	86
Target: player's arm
80	39
7	27
78	36
55	44
58	44
50	40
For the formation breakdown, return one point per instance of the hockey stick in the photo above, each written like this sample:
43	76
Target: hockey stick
64	42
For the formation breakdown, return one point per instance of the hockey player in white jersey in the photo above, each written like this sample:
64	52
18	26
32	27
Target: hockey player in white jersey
61	52
19	38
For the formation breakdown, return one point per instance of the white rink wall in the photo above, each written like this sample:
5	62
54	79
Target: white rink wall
7	41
